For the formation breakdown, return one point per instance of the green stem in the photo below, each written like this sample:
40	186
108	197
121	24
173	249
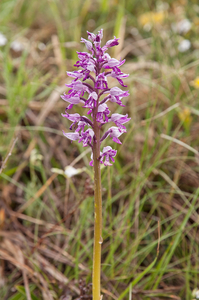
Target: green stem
98	216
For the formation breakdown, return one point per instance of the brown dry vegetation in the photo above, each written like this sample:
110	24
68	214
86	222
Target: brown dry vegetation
150	195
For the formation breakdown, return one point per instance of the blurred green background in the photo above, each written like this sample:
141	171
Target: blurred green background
150	194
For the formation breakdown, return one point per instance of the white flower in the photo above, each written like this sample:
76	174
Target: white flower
17	46
70	171
182	27
41	46
162	6
147	27
3	39
35	156
184	45
195	293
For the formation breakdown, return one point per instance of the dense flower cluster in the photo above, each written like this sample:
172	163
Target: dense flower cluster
95	68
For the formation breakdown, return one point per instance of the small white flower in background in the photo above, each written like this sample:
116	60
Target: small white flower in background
184	45
134	31
195	294
196	8
182	27
3	39
35	156
68	172
17	46
162	6
147	27
41	46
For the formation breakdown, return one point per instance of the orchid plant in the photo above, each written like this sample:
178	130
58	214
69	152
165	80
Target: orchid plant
90	87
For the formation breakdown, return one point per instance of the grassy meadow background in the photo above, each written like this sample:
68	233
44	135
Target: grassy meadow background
150	244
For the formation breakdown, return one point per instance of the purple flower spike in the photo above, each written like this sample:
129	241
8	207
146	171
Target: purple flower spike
101	82
108	153
81	126
111	63
72	136
75	118
92	101
111	43
90	87
116	73
76	74
102	115
78	86
115	132
72	117
98	39
116	94
119	120
87	137
91	36
73	99
88	44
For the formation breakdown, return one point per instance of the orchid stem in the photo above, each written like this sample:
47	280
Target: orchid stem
98	218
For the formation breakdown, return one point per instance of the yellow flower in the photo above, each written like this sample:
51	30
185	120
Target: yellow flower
152	18
185	116
195	82
196	21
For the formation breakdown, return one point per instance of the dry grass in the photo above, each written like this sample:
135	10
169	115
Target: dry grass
150	195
